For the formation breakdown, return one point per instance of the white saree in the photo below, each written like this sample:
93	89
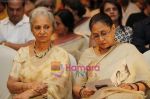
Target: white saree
122	64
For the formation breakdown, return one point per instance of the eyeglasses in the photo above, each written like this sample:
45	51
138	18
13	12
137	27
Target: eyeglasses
102	34
39	29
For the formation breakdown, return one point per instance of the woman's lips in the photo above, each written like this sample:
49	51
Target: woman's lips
42	36
112	16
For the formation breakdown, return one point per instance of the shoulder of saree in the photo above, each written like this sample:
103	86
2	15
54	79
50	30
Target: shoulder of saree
60	53
96	62
22	54
86	57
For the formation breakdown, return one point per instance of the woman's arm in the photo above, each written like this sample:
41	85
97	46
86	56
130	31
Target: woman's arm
31	93
17	87
138	86
24	90
20	88
25	95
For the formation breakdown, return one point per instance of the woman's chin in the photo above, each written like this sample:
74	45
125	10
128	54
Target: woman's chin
43	41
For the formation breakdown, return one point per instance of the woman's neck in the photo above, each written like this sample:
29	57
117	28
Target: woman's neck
146	12
100	51
103	51
61	35
77	19
116	23
40	46
65	38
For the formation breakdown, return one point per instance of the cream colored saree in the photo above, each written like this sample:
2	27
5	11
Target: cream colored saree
122	64
30	69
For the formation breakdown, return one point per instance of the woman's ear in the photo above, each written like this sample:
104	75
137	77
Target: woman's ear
32	30
113	27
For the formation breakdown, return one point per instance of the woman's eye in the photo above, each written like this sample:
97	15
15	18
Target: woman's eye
46	27
57	23
107	10
37	27
104	33
96	36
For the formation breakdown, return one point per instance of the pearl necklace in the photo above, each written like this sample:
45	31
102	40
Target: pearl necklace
42	54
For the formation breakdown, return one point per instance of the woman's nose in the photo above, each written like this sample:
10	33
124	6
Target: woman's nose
101	38
42	31
111	11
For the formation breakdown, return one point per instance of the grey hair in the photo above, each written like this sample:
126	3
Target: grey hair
42	11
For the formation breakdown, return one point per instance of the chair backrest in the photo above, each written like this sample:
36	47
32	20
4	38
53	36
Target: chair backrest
6	59
147	56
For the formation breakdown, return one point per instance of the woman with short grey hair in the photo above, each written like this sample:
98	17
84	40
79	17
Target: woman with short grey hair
39	69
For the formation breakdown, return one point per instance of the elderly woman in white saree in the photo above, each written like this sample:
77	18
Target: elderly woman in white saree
39	69
122	72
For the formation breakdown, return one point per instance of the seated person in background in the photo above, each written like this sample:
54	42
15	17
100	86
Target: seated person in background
141	35
15	30
73	43
29	6
3	10
121	63
129	8
136	17
113	10
78	10
39	69
49	4
91	6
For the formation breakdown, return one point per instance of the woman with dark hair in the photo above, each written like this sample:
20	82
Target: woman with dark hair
65	37
114	11
76	7
78	10
110	70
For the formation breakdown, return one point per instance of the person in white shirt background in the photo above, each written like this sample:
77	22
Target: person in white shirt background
15	30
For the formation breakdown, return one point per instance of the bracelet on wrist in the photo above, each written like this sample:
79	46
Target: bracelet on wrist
145	84
131	86
137	86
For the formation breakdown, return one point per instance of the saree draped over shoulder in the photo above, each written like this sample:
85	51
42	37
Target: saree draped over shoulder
29	69
76	46
123	63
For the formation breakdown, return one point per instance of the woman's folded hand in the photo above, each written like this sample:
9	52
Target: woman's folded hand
86	92
25	95
40	88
